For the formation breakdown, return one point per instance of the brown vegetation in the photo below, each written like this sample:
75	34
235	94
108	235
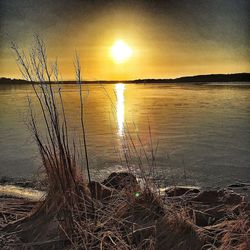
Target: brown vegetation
119	213
127	218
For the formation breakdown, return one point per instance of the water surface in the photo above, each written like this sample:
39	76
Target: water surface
200	133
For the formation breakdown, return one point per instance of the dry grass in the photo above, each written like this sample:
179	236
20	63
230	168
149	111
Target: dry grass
77	214
123	220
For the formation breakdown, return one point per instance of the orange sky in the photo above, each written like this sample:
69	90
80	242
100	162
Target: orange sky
171	42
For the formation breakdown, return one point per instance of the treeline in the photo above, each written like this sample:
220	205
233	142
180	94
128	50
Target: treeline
239	77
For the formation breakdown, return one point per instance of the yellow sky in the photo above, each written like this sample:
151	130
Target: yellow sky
146	61
168	39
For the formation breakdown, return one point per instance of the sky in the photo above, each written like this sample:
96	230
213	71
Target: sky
168	39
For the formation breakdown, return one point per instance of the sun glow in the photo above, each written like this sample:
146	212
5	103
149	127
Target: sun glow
120	51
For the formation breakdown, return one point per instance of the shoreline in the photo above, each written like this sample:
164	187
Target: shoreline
194	209
195	79
16	186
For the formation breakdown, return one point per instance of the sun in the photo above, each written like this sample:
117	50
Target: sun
120	51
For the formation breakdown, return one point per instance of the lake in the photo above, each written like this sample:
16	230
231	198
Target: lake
199	134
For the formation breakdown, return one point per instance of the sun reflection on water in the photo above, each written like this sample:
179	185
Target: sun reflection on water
119	89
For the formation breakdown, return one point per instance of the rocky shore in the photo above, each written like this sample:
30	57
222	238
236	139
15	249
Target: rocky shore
177	217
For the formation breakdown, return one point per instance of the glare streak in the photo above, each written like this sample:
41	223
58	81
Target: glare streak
120	107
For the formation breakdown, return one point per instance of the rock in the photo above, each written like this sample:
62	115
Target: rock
173	232
179	191
148	205
237	185
208	196
142	209
232	198
121	180
99	191
202	219
222	196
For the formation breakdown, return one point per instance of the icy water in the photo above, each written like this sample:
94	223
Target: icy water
200	134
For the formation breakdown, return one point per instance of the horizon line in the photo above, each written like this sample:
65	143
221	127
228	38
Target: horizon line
143	79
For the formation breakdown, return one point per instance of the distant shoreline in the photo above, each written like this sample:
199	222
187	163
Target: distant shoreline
237	77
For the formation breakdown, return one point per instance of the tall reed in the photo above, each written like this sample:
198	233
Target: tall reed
68	194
